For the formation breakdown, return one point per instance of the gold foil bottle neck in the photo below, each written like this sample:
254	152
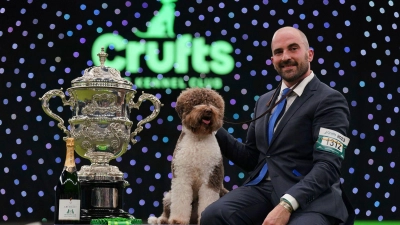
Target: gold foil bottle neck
70	159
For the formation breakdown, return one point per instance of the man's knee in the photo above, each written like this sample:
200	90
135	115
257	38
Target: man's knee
211	215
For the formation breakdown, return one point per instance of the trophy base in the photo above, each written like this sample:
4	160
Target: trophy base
102	199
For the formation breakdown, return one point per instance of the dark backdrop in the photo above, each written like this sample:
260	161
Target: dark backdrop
46	44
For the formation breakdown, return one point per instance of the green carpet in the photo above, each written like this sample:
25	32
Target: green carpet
368	222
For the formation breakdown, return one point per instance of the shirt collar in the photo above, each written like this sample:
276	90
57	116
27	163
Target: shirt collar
300	88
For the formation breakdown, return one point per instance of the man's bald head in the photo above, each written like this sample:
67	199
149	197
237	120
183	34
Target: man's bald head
291	30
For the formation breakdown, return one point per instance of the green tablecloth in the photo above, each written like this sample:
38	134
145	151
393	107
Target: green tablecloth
115	221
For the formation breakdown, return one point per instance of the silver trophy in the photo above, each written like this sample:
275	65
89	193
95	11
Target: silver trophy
101	102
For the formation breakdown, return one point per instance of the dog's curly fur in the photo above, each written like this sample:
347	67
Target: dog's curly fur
197	165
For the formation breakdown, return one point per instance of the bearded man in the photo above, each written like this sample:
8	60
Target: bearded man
293	153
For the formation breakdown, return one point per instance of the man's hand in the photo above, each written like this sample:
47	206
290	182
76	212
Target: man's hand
278	216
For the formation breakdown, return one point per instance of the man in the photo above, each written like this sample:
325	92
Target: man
294	159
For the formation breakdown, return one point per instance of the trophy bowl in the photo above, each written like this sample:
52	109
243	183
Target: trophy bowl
101	103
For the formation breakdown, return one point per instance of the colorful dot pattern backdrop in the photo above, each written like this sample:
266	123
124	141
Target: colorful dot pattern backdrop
46	44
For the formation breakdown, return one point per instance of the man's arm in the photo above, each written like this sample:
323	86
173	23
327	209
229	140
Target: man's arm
245	155
333	114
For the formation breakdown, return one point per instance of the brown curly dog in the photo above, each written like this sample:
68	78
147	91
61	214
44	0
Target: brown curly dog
197	165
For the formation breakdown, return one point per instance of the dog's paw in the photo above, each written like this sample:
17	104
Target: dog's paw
157	221
162	220
177	221
152	220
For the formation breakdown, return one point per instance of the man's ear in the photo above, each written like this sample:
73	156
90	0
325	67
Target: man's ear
310	55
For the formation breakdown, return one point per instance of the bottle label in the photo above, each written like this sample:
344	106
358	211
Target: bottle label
69	209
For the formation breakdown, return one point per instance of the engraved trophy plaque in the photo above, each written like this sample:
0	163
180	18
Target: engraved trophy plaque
101	102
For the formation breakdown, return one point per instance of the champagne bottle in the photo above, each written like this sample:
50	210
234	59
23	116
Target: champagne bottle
68	203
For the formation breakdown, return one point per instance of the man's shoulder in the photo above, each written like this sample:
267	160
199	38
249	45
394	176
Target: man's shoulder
325	88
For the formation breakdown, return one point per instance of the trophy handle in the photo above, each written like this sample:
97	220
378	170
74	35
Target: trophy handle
45	105
157	105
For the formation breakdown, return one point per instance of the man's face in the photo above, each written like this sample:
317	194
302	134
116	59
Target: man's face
290	56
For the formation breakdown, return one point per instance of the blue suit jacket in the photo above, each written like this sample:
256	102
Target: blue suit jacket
315	181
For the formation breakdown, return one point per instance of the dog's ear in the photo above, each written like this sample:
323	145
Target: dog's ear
179	107
179	110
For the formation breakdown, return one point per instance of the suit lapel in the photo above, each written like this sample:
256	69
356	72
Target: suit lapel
298	102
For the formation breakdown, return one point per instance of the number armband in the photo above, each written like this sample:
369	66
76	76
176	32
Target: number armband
332	141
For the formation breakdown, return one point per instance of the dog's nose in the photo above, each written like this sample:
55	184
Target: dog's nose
208	111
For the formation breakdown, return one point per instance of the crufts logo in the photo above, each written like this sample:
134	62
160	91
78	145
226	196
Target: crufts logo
179	52
163	23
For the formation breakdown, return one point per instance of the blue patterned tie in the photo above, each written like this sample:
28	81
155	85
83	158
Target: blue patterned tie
274	117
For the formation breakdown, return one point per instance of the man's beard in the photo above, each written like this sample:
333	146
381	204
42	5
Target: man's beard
302	68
